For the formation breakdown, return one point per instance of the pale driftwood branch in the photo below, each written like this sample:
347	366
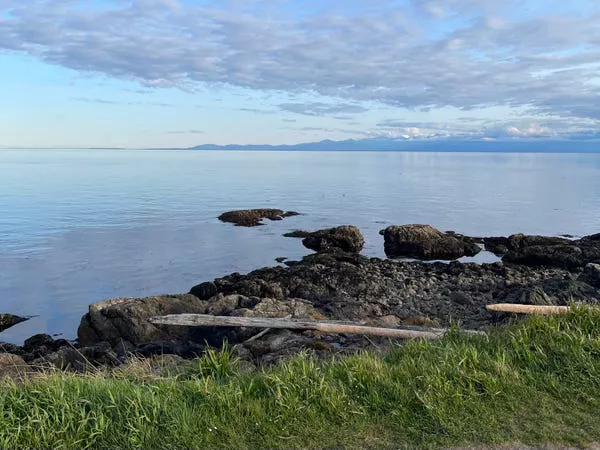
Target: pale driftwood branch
528	309
262	333
204	320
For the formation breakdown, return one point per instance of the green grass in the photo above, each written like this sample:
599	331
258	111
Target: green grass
533	382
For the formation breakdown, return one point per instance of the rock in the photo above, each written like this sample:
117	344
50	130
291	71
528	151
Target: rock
564	256
223	305
127	319
590	246
425	242
6	347
421	321
560	290
546	250
346	238
497	245
280	259
37	341
591	275
502	245
13	366
82	359
343	286
204	291
293	307
254	217
9	320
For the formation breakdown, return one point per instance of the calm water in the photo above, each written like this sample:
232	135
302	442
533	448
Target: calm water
79	226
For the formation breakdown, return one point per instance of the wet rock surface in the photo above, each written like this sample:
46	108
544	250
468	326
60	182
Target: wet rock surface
426	242
254	217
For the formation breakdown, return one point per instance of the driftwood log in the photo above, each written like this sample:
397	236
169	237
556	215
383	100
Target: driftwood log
528	309
205	320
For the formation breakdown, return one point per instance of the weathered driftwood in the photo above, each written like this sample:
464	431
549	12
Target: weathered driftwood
528	309
204	320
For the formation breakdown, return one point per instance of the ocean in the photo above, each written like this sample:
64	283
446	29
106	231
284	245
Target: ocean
79	226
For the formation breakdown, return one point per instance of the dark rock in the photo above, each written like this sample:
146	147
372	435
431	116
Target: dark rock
82	359
425	242
160	348
9	320
281	259
6	347
497	245
346	238
254	217
205	290
127	319
352	287
546	250
502	245
37	341
564	256
559	290
591	275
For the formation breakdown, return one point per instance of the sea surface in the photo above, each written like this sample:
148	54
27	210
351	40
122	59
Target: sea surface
79	226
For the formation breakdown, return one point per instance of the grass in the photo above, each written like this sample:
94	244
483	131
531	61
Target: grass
533	382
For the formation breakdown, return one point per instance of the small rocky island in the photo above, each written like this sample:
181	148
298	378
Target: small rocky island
337	283
254	217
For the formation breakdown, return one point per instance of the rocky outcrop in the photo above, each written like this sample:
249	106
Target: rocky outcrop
546	251
10	320
121	322
126	319
254	217
566	256
346	238
502	245
352	287
426	242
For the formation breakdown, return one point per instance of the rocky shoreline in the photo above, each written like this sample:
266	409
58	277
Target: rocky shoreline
336	283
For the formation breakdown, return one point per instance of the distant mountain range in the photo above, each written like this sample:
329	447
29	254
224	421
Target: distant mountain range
387	144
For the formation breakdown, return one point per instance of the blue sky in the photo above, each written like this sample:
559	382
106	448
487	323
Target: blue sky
177	73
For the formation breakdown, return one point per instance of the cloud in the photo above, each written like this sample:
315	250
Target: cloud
533	130
415	54
102	101
185	132
258	111
321	109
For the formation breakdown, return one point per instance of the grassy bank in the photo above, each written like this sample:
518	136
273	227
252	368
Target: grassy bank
538	381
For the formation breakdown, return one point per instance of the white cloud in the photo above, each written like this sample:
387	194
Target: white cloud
544	61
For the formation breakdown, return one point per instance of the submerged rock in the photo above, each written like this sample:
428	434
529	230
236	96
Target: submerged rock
426	242
254	217
347	238
10	320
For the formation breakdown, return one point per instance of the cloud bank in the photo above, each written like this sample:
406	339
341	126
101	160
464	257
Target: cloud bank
419	55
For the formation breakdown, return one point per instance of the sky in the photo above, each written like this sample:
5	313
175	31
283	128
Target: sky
178	73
